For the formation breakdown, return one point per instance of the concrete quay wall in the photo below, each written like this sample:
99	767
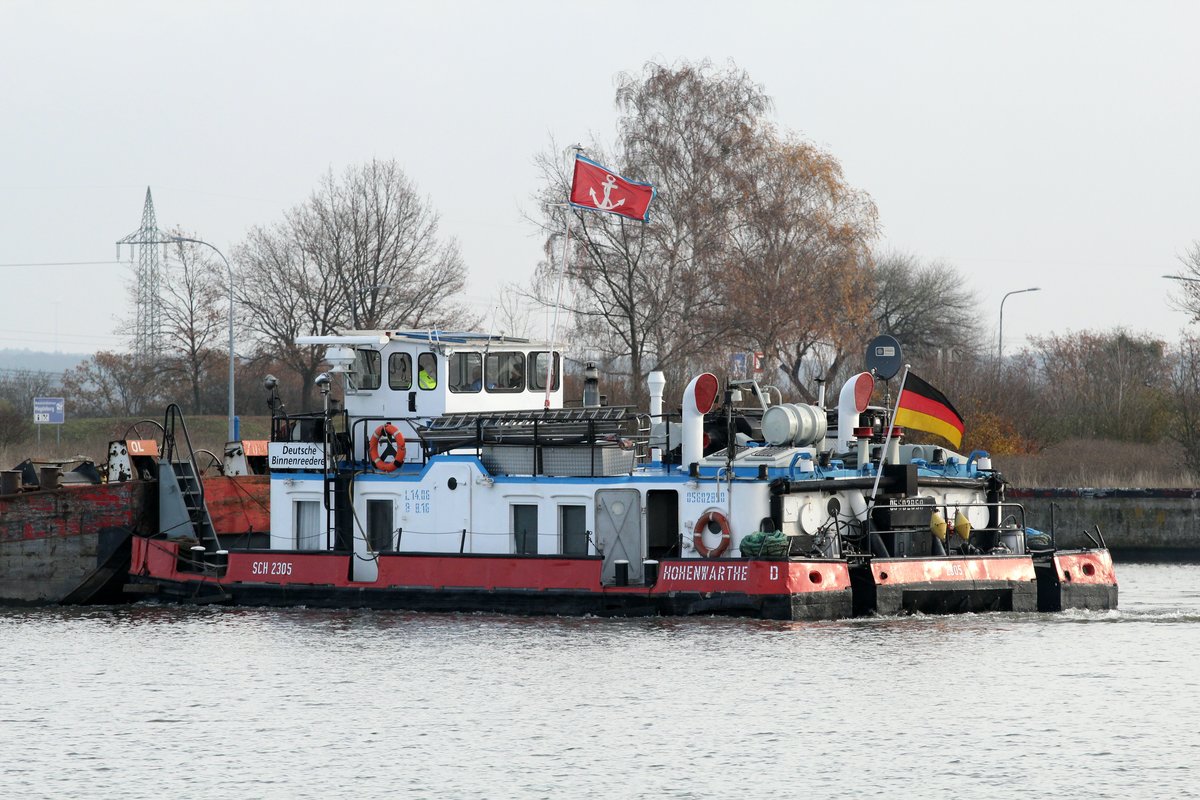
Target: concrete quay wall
1153	524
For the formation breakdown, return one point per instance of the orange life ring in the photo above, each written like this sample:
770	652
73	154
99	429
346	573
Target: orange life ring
702	526
393	451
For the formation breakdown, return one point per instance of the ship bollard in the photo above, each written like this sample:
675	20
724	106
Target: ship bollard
48	477
221	562
197	560
10	481
622	576
650	572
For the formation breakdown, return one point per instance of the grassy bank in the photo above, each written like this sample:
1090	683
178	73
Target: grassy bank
89	438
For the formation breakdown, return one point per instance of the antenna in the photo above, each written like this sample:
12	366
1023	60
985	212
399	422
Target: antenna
884	357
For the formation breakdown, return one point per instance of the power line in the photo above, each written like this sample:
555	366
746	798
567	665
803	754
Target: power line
15	371
60	263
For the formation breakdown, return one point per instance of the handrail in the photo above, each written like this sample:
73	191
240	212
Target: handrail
172	415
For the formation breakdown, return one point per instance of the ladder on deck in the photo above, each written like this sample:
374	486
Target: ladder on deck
182	512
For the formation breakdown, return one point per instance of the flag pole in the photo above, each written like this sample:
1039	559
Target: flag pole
562	271
887	439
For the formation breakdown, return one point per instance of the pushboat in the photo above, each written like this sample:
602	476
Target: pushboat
452	477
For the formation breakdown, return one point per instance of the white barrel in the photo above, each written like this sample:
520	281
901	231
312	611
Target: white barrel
793	423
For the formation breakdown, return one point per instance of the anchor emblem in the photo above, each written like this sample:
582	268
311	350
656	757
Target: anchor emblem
607	204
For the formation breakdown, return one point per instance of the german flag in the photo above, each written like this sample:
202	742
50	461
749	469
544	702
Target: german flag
924	408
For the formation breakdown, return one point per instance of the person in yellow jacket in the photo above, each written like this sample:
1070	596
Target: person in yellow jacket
427	377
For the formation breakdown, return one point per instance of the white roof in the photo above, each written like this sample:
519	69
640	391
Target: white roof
433	337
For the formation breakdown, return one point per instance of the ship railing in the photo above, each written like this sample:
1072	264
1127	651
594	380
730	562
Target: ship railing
311	426
172	451
1008	530
646	440
514	441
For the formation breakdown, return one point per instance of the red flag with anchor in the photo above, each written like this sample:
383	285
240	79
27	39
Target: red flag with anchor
599	189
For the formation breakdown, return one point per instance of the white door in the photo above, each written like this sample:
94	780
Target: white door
619	532
452	507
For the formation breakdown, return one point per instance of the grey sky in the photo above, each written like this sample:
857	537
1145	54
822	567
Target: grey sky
1047	144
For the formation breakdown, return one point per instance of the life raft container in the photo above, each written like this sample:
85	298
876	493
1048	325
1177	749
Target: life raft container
702	525
393	448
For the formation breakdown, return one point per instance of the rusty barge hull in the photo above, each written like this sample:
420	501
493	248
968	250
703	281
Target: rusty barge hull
70	545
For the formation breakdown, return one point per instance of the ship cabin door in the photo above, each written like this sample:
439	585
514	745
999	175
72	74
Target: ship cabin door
662	523
619	533
378	512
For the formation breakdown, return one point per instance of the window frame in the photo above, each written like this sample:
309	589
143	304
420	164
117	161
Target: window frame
417	374
525	536
314	537
488	378
460	357
374	536
392	371
536	377
357	375
562	528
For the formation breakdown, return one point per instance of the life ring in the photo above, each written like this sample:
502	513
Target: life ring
702	526
393	450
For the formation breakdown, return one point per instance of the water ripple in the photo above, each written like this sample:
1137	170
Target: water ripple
153	700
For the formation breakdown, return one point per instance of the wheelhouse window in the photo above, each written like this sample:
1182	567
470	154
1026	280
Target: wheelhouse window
505	372
366	375
466	372
306	524
379	525
525	529
400	371
572	526
537	371
427	371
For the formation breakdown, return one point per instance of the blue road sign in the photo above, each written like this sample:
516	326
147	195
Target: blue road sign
49	410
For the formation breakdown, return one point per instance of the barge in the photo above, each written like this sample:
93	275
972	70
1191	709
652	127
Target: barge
65	534
66	528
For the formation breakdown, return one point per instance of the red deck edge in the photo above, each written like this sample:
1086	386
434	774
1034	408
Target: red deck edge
159	559
888	572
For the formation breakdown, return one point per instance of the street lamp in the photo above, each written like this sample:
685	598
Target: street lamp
228	269
1181	278
1000	335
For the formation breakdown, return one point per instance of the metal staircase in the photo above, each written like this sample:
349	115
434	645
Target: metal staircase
182	513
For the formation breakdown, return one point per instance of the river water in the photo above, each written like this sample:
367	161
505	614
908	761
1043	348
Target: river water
161	701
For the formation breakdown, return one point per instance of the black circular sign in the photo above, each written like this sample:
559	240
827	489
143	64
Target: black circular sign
884	357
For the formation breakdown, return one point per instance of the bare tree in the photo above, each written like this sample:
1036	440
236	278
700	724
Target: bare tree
18	388
379	242
927	306
1189	299
1185	386
110	384
511	314
362	253
1108	385
282	295
193	319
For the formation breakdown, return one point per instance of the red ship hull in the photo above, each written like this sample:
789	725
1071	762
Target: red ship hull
817	589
